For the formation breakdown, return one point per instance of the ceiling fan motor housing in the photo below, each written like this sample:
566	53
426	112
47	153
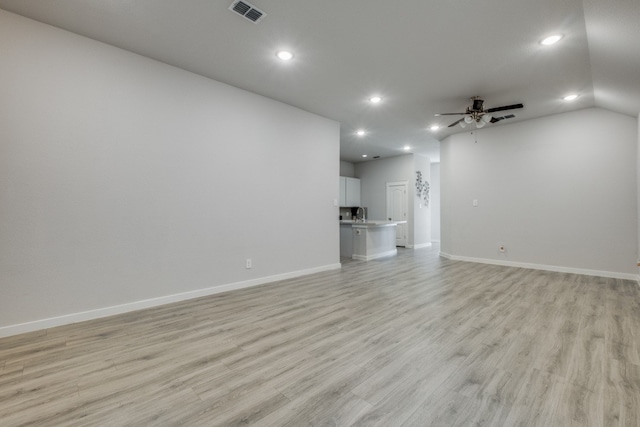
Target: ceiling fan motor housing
477	104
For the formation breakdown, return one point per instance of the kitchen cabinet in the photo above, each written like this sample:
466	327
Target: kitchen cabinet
353	191
343	191
349	192
346	240
368	240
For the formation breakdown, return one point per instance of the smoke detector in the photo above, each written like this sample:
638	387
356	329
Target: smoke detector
247	10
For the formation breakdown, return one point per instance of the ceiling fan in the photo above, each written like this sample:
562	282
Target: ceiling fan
481	116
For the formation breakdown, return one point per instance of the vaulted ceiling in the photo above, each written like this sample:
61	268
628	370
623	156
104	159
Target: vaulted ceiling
421	56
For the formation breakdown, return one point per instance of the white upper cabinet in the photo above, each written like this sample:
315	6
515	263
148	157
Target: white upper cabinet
343	191
349	192
353	192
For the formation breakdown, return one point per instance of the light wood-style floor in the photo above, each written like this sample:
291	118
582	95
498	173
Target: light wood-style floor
414	340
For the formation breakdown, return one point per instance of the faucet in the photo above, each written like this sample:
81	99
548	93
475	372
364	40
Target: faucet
364	215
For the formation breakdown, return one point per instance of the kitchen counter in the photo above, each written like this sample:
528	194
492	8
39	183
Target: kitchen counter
367	240
371	223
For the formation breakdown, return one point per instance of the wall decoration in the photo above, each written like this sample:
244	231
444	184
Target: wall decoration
422	188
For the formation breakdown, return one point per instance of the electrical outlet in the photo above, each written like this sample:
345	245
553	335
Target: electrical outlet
249	264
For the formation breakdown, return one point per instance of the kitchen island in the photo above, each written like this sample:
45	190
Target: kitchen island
367	240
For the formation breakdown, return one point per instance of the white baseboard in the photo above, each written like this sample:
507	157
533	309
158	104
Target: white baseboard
375	256
597	273
67	319
422	245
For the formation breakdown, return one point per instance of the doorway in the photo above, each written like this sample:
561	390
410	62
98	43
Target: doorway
397	208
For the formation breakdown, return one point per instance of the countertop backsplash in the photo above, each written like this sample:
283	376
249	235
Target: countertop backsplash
345	213
350	213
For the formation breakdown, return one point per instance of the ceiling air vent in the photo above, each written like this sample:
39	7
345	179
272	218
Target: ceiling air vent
247	10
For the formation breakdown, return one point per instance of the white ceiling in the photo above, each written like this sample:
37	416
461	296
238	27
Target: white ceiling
421	56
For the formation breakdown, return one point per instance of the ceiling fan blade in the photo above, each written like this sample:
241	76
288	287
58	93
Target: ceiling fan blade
455	123
497	119
448	114
506	107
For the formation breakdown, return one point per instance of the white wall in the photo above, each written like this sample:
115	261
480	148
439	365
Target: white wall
638	194
124	180
435	202
374	176
347	169
558	191
421	211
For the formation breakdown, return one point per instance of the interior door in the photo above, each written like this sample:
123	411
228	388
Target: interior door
397	208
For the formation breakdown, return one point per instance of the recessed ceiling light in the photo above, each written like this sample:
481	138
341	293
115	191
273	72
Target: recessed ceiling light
361	132
364	155
375	99
570	97
406	148
285	55
434	127
548	41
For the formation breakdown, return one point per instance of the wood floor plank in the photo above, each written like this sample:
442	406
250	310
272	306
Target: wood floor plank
411	340
440	409
537	401
397	407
